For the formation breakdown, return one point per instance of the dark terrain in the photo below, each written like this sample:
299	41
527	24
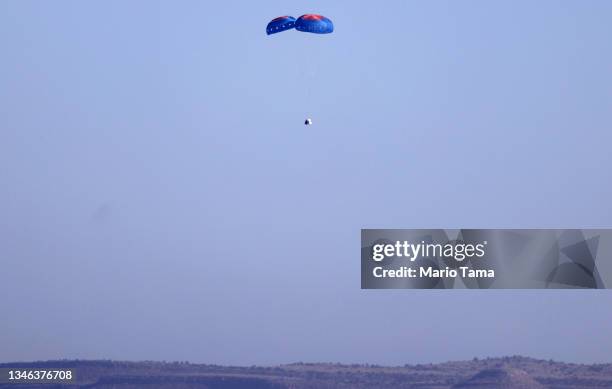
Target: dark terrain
508	372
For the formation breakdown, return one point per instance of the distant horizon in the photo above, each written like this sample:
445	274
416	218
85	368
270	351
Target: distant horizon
365	364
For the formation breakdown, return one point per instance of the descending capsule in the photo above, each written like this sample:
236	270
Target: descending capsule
281	23
317	24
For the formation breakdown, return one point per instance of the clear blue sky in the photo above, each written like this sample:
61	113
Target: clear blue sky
160	197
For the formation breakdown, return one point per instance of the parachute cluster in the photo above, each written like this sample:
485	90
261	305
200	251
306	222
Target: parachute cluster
316	24
313	23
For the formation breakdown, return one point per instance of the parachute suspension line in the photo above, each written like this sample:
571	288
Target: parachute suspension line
311	77
314	66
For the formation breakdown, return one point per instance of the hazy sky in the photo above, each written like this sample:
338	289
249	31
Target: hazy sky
160	197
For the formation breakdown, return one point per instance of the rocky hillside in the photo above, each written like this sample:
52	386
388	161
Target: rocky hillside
500	378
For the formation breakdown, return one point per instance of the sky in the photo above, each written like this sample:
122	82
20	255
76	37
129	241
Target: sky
161	198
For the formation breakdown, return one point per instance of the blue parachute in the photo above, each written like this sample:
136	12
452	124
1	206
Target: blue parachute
282	23
317	24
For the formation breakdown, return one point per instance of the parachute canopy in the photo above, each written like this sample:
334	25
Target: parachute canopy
317	24
282	23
